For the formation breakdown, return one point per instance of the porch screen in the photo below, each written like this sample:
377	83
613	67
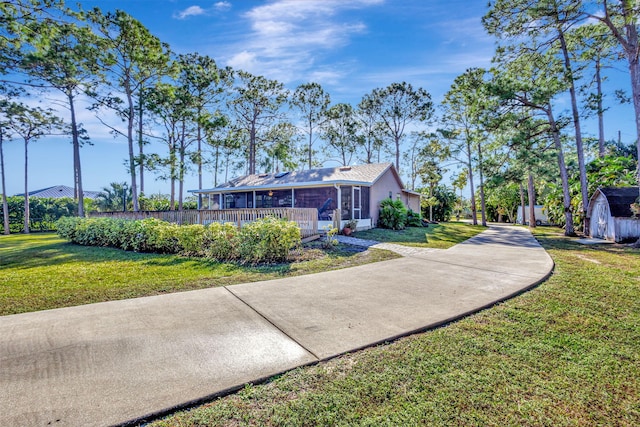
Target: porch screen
273	199
236	200
322	198
346	202
365	203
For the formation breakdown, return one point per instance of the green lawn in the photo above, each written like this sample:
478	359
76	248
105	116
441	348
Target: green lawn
41	271
565	353
440	236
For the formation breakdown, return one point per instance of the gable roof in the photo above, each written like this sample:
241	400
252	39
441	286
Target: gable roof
58	192
619	199
366	174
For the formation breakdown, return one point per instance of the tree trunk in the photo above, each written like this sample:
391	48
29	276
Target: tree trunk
26	187
141	145
310	145
215	170
181	178
5	204
474	214
77	170
584	189
482	202
569	229
132	163
531	193
397	141
252	149
600	110
199	162
523	204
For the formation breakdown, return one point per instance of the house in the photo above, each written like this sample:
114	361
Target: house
58	192
356	190
610	214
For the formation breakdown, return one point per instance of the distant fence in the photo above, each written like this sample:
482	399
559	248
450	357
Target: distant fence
306	218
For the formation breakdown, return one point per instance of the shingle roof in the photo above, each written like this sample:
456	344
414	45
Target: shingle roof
58	192
358	174
620	199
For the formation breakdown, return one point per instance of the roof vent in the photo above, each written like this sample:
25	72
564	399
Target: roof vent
345	168
281	174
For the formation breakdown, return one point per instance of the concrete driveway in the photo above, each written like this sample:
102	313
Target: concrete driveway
116	362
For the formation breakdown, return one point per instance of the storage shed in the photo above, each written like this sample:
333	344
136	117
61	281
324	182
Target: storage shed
610	214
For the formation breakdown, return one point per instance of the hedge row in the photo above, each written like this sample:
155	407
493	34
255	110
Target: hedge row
265	240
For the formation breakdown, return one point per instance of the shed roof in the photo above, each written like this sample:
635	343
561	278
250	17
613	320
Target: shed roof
366	174
58	192
619	199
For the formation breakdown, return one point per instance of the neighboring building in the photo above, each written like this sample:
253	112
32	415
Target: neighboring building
356	190
59	192
541	217
610	214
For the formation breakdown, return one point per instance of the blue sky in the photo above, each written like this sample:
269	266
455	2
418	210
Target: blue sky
348	46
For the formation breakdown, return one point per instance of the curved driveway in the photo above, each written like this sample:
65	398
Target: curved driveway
115	362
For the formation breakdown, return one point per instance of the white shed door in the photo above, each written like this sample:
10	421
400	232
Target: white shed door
600	220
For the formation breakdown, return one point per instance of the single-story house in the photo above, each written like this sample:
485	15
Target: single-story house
59	192
610	214
356	190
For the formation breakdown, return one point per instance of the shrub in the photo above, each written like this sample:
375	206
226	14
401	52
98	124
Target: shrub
414	219
220	240
191	239
267	240
67	226
393	214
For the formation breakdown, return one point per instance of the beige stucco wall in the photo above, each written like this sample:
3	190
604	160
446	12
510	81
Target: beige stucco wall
380	191
412	201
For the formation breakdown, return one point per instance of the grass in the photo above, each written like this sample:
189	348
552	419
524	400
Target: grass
41	271
566	353
440	236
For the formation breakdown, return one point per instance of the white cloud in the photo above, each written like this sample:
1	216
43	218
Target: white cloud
243	60
190	11
289	37
221	6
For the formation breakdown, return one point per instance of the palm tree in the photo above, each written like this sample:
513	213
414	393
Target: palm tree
111	198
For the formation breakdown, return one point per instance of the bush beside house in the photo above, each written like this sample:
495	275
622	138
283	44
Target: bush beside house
263	241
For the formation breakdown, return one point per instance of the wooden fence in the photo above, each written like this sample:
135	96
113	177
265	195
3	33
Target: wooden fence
306	218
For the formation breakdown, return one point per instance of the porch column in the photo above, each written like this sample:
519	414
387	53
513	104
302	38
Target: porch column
293	199
220	201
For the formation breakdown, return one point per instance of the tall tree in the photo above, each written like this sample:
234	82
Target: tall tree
281	147
341	131
206	84
531	82
312	102
64	59
463	108
30	124
135	57
546	23
371	129
256	103
4	122
622	19
398	106
593	45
